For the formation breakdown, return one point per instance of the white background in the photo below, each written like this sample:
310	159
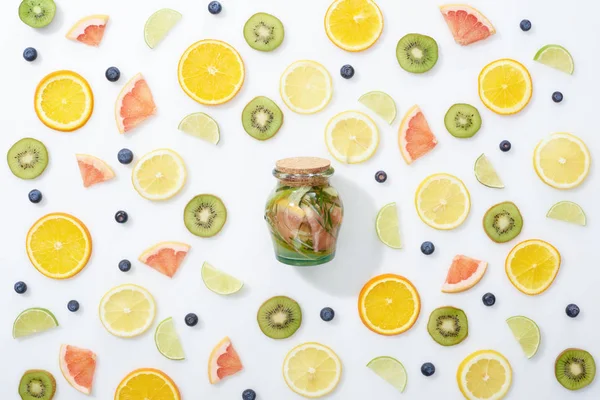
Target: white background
239	171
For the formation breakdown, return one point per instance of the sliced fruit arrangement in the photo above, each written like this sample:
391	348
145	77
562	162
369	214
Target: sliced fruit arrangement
351	137
391	370
33	320
205	215
532	266
484	375
389	304
264	32
220	282
312	370
279	317
159	175
305	87
224	361
575	369
381	104
353	25
93	170
134	104
462	120
64	101
147	383
262	118
448	326
165	257
78	367
89	30
211	72
486	173
417	53
159	24
527	334
201	126
505	86
562	160
27	158
557	57
59	245
387	226
127	310
503	222
567	211
167	341
37	384
415	138
442	201
466	23
37	13
464	273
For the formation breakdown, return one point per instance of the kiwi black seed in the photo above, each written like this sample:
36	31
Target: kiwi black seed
448	325
264	32
575	369
37	13
205	215
417	53
503	222
462	120
262	118
37	384
279	317
27	158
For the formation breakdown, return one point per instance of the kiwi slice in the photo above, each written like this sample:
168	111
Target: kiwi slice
262	118
279	317
37	13
417	53
205	215
37	384
263	32
503	222
462	120
448	325
574	369
27	158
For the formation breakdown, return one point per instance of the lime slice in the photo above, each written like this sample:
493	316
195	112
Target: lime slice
33	320
202	126
486	174
167	341
159	24
567	211
220	282
556	56
387	227
391	370
381	104
527	334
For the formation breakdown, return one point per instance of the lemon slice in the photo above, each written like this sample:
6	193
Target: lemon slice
505	86
312	370
567	211
159	175
305	87
351	137
33	320
167	342
380	103
201	126
147	383
532	266
486	174
562	161
442	201
127	310
218	281
353	25
391	370
527	334
387	227
484	375
557	57
159	24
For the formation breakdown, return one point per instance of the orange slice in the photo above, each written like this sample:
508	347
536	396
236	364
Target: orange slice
147	383
505	86
165	257
93	170
464	273
466	23
223	362
415	139
532	266
89	30
78	367
353	25
134	104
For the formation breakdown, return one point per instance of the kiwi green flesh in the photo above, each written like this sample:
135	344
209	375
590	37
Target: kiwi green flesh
262	118
264	32
462	121
205	215
37	13
279	317
417	53
27	158
575	369
37	385
448	326
503	222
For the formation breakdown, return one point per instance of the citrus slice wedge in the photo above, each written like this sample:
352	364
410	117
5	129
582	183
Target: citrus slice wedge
159	175
167	341
224	361
567	211
391	370
484	375
159	24
165	257
557	57
464	273
527	334
486	174
219	282
201	126
147	383
415	138
305	87
93	170
381	104
351	137
127	310
532	266
505	86
312	370
442	201
33	320
134	104
89	30
387	226
353	25
78	367
562	161
466	23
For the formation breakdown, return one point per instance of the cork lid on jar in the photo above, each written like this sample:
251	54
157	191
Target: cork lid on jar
303	165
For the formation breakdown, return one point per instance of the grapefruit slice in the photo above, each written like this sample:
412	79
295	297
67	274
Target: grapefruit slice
134	104
466	23
93	170
89	30
165	257
414	136
464	273
78	366
223	362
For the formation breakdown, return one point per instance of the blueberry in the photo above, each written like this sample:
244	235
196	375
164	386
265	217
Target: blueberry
347	71
327	314
112	74
428	369
249	394
427	248
488	299
380	176
525	25
214	7
121	217
73	305
20	287
124	265
125	156
191	319
572	310
505	145
35	196
557	97
30	54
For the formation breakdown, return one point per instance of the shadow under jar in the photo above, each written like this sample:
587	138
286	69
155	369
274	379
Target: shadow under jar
304	212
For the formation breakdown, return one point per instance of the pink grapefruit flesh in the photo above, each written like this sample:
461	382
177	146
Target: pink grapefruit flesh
464	273
78	367
415	138
89	30
467	24
165	257
134	104
93	170
224	361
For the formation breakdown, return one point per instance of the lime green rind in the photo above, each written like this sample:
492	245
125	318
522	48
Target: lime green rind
385	107
390	370
47	312
159	24
486	174
233	284
214	138
391	237
531	346
178	357
578	219
569	70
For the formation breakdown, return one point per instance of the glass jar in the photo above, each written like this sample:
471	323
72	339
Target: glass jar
304	212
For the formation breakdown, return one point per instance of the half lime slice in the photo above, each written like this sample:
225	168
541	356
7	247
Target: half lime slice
33	320
567	211
486	174
220	282
381	104
201	126
159	24
167	341
387	226
556	56
391	370
527	334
